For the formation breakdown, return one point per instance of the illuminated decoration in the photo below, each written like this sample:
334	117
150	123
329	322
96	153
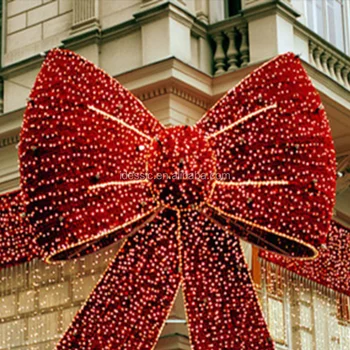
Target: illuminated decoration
97	167
17	243
332	266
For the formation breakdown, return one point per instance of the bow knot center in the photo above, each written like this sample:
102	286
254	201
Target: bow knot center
182	168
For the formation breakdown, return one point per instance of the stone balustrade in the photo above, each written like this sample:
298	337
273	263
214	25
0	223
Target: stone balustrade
230	45
330	61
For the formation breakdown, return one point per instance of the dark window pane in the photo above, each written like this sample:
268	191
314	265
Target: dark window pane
233	7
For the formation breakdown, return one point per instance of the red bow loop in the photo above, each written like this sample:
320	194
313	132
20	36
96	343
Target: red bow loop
83	133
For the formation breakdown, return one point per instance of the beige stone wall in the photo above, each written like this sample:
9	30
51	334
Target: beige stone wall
32	26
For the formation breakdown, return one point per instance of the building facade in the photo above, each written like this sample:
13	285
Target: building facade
179	57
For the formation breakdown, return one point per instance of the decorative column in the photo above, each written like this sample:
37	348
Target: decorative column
331	63
244	49
345	72
312	48
338	68
318	52
324	61
219	56
232	52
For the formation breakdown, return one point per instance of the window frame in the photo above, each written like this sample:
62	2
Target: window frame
326	36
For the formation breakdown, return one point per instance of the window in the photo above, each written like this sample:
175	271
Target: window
233	7
275	303
326	18
274	281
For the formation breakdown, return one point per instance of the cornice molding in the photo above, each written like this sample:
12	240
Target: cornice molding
10	185
8	141
161	71
221	26
30	63
165	9
10	126
175	89
88	37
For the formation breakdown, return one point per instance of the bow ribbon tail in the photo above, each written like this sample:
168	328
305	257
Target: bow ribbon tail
222	307
129	306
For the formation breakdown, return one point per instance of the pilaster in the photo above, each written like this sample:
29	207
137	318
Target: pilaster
270	27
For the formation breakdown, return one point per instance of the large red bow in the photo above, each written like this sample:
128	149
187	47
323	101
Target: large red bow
96	167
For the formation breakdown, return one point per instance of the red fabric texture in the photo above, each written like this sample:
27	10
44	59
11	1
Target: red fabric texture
17	243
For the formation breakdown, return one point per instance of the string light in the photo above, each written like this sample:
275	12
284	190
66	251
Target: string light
290	143
332	266
120	121
251	183
16	236
83	131
242	120
116	183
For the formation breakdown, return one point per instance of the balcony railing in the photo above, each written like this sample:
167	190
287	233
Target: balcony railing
229	40
230	45
330	61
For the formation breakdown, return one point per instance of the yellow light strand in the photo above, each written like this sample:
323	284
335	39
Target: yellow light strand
242	120
109	116
252	183
266	229
102	233
117	183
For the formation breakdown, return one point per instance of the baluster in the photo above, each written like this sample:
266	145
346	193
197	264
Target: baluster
312	48
317	53
345	72
338	67
219	56
244	49
232	53
324	61
331	64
